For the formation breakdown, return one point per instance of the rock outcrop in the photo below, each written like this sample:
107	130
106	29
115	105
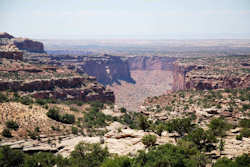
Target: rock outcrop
107	69
28	45
206	74
5	35
23	44
76	88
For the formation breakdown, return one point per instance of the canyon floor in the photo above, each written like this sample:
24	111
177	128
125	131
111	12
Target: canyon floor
148	83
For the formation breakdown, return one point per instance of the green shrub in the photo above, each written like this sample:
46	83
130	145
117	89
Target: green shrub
10	157
123	110
219	126
241	161
67	119
117	161
33	134
74	130
88	155
7	133
3	98
41	159
245	132
149	140
245	123
202	139
181	126
26	100
94	118
53	113
143	123
239	137
12	125
74	109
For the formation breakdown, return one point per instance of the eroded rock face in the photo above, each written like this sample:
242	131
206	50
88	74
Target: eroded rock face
210	76
108	69
23	44
28	45
151	63
76	88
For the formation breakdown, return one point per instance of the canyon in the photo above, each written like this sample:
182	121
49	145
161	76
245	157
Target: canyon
79	98
137	77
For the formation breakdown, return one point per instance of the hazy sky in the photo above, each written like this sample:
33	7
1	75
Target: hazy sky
126	18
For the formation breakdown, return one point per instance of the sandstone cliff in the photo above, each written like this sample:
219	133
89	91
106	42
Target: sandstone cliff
150	63
28	45
22	44
216	73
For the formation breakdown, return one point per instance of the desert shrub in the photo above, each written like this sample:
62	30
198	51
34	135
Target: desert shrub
95	118
181	126
219	126
170	155
25	100
53	113
202	139
123	110
6	133
3	98
74	130
168	108
130	119
12	125
96	104
122	161
239	137
245	123
245	107
149	140
74	109
241	161
143	123
88	155
10	157
33	134
42	159
67	118
245	132
41	101
158	129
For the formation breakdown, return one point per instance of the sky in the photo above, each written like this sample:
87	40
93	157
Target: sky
70	19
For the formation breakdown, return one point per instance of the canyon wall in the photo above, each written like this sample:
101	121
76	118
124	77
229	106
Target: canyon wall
75	88
28	45
23	44
16	55
151	63
107	69
191	77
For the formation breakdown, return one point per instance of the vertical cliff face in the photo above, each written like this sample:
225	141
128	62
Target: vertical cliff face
108	69
216	73
28	45
179	76
151	63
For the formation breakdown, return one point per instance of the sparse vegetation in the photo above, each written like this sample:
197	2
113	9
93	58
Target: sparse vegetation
12	125
6	133
53	113
149	140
